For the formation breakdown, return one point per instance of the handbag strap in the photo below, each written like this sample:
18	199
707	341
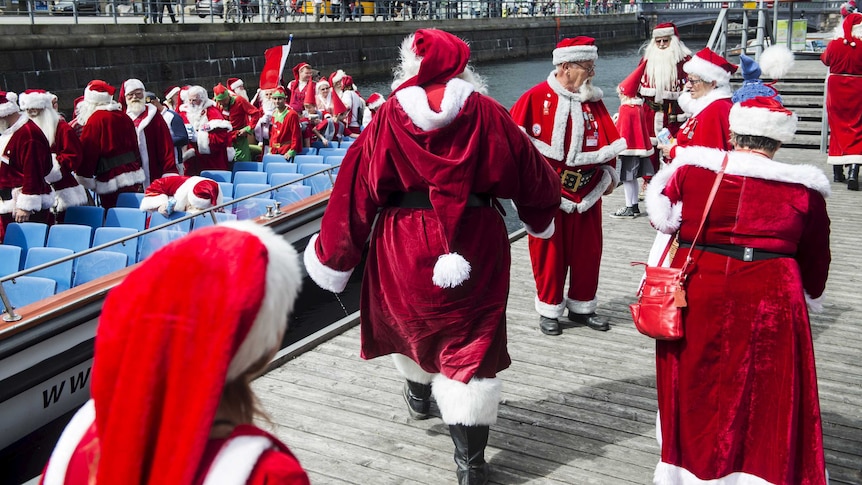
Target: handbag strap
706	209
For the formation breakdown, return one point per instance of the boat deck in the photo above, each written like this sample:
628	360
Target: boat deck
577	409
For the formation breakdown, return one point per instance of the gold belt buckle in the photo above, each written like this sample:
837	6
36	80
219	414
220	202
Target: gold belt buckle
571	179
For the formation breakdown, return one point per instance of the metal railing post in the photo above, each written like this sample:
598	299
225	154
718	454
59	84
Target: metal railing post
10	316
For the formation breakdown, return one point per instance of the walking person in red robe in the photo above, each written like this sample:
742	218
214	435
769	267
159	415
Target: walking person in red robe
155	142
437	274
209	134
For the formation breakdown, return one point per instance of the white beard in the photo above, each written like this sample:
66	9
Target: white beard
4	125
661	67
685	101
135	107
587	90
240	91
197	118
47	122
85	110
267	105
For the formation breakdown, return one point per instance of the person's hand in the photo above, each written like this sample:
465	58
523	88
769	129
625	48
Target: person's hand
665	149
22	215
609	190
163	210
290	154
325	142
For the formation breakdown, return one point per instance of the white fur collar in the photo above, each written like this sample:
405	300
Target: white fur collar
7	135
112	106
594	94
151	113
694	106
666	217
414	102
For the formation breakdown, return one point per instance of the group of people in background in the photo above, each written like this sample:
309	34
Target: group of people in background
737	396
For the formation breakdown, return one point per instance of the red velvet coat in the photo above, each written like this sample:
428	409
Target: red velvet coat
631	125
242	115
672	115
68	151
213	140
738	395
472	147
709	121
155	144
109	133
285	133
843	104
25	161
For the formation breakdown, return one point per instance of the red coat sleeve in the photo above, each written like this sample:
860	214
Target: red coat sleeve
162	157
277	468
68	147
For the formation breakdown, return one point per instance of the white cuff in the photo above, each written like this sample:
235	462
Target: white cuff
546	234
325	277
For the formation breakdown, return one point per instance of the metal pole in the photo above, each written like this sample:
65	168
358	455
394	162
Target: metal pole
10	316
790	27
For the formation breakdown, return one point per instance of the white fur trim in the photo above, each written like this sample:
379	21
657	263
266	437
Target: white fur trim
639	152
131	85
567	206
70	197
549	310
236	460
231	153
706	70
602	155
666	95
762	122
609	177
575	54
546	234
153	202
35	100
97	97
582	307
236	84
55	472
662	32
694	106
55	175
10	106
88	183
410	370
376	103
283	282
325	277
815	305
7	206
173	92
471	404
844	159
451	270
667	474
34	202
414	102
125	179
220	125
339	75
203	143
201	203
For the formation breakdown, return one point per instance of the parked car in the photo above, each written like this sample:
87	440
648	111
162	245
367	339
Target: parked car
61	7
367	7
203	8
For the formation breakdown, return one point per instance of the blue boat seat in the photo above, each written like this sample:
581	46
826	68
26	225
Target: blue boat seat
247	167
330	152
249	178
70	236
279	168
126	217
157	219
85	214
26	235
10	259
270	158
206	220
291	193
28	289
107	234
302	159
308	168
61	273
252	208
95	265
319	183
241	190
155	240
218	175
130	199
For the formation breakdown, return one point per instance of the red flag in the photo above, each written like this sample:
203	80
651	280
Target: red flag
276	57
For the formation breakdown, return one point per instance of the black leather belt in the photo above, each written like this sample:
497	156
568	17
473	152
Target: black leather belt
107	163
573	180
741	253
653	105
420	200
5	194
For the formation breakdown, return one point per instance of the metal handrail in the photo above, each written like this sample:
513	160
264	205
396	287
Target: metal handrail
12	316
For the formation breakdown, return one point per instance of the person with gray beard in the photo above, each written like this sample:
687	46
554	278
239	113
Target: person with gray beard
155	142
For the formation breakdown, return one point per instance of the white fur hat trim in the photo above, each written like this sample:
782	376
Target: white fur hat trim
9	107
762	122
663	32
706	70
575	54
35	100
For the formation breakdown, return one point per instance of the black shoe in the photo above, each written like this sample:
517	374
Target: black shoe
550	326
470	442
853	177
591	320
838	174
418	399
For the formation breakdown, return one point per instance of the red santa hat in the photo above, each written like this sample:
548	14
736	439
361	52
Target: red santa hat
850	30
279	92
322	84
205	194
171	92
8	103
347	81
299	67
338	105
310	97
235	83
375	101
162	360
630	85
220	92
99	92
710	67
442	55
336	76
665	29
763	116
576	49
35	99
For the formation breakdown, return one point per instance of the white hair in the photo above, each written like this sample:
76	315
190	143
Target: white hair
47	120
409	66
661	67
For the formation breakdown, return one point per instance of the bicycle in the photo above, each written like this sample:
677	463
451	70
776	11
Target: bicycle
238	11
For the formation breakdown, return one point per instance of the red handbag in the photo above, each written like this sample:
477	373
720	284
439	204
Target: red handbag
661	296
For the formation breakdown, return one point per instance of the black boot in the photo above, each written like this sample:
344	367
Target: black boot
549	326
838	173
418	398
853	177
591	320
470	442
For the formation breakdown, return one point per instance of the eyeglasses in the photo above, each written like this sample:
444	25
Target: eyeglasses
589	69
662	40
695	81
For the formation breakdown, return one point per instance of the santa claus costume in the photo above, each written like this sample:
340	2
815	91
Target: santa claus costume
184	194
843	105
66	151
286	133
375	101
707	124
112	161
159	411
578	139
155	143
25	161
210	133
437	274
243	118
299	89
662	81
634	161
737	396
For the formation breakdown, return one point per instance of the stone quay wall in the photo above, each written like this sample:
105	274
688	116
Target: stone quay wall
64	58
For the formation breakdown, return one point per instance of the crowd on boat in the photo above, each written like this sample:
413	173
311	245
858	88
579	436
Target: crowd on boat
418	196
